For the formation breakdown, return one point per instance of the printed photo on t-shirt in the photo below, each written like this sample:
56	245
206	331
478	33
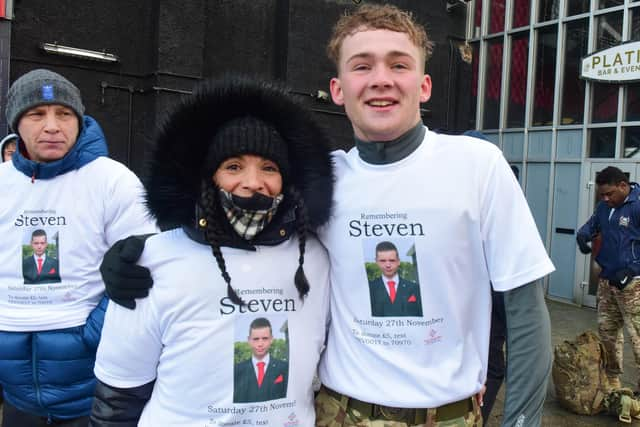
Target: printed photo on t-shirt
261	358
391	267
40	263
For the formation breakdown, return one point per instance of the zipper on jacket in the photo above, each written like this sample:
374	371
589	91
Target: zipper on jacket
36	170
34	371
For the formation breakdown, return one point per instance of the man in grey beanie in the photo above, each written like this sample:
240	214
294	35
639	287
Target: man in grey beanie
42	87
40	93
63	184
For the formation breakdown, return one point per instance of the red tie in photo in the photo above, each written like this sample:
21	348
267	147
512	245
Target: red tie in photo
392	290
39	265
260	373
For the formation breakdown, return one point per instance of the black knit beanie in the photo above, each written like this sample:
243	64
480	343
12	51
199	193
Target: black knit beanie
248	135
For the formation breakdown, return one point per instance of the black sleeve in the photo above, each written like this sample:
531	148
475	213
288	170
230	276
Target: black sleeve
118	407
529	355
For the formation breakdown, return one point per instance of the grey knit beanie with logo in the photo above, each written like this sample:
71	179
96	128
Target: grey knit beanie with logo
41	87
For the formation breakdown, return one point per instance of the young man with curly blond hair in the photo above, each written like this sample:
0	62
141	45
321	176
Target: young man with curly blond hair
424	370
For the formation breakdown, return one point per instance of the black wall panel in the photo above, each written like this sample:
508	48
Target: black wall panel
166	46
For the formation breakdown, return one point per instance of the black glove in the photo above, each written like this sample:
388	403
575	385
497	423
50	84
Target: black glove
623	278
123	278
583	244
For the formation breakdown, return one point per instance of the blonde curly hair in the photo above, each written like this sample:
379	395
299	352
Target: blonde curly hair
378	17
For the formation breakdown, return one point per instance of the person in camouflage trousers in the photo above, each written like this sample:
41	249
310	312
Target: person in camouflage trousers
617	221
618	307
338	411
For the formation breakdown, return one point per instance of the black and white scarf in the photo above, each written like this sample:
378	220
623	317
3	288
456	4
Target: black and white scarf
249	215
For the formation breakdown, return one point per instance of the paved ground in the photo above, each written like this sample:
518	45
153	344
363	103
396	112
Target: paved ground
567	321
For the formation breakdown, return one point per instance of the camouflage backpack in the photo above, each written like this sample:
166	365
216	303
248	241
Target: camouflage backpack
579	376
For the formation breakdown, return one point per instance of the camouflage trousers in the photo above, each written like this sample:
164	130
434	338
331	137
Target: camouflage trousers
617	308
333	412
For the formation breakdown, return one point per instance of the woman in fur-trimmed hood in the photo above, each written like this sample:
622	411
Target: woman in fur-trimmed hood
220	120
239	177
187	133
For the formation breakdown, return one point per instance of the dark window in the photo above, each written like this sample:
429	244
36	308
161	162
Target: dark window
548	10
635	24
603	4
545	76
493	85
518	80
477	19
496	16
576	7
633	102
474	85
605	95
631	141
605	102
602	142
609	30
576	41
521	10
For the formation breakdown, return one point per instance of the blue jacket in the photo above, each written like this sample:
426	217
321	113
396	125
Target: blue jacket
90	145
50	373
620	234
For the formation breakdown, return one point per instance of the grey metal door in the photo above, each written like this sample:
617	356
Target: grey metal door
564	225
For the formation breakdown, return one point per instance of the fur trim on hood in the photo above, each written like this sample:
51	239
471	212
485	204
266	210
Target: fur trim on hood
177	163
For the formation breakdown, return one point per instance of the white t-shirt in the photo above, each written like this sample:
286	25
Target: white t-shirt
83	212
459	220
188	336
